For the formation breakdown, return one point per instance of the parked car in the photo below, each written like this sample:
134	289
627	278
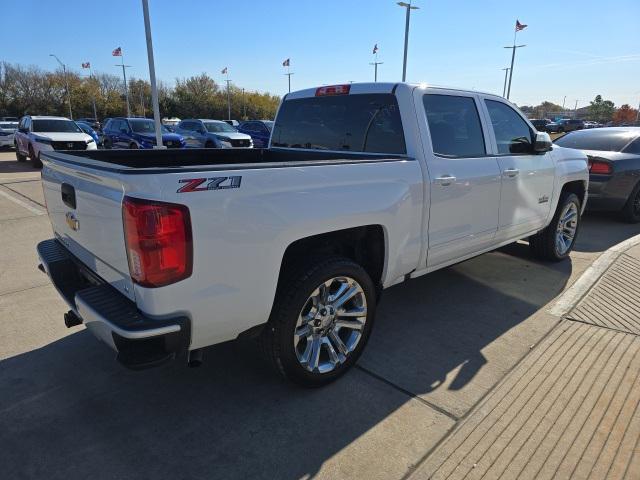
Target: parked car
614	168
293	244
258	130
135	133
9	119
92	122
570	124
86	128
37	134
203	133
545	125
7	131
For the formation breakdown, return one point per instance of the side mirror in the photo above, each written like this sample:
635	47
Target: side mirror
542	142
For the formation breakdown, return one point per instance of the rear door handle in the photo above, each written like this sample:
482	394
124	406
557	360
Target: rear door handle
445	180
511	172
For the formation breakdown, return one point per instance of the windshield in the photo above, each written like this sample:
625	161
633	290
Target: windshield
604	140
9	126
66	126
216	127
146	126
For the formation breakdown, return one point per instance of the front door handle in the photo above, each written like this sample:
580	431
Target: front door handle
445	180
511	172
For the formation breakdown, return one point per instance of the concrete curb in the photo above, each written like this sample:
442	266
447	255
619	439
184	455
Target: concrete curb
579	289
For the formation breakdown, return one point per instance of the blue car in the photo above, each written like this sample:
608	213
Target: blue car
258	130
135	133
86	128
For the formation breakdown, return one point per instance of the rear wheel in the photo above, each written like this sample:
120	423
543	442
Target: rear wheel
209	144
133	146
631	211
20	157
320	322
106	143
555	242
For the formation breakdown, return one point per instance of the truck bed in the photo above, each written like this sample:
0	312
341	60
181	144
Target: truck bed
124	161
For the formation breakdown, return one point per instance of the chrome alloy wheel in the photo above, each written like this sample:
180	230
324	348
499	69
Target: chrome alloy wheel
567	227
330	324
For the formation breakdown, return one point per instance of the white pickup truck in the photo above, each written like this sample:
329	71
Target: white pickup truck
162	253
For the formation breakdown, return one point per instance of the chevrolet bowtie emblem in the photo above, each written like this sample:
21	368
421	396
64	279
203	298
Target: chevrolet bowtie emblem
72	221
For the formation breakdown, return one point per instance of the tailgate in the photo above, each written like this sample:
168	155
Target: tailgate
85	209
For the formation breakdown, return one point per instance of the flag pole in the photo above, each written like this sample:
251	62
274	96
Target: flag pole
93	97
126	88
513	56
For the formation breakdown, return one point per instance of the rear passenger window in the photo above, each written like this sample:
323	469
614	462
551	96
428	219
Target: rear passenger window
633	147
454	125
513	134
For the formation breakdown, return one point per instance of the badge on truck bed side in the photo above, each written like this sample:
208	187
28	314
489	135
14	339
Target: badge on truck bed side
214	183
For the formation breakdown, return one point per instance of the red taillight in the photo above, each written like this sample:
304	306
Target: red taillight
333	90
158	241
600	168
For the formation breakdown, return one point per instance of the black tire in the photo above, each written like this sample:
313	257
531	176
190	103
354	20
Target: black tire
631	211
20	157
35	159
209	144
133	146
277	337
543	244
106	144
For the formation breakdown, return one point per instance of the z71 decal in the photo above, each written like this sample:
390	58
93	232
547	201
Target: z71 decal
203	184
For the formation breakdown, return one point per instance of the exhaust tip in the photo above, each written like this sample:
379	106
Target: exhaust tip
195	358
71	319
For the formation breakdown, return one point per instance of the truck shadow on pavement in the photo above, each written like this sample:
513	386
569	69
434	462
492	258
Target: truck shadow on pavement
440	344
67	410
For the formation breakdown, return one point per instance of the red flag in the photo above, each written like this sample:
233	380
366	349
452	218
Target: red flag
224	71
520	26
117	52
286	63
86	64
375	49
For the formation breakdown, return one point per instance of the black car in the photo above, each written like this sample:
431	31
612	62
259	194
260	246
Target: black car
614	168
570	125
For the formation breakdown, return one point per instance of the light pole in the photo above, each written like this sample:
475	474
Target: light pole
564	100
152	76
409	7
66	82
504	88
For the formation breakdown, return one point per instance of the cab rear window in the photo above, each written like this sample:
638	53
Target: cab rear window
354	123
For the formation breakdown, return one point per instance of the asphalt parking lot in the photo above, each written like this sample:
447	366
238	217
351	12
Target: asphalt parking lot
440	345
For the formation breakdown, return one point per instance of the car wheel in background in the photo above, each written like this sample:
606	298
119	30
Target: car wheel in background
36	162
133	146
555	242
209	144
321	321
106	143
631	211
20	157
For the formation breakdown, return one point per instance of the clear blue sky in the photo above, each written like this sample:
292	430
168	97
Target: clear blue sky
574	48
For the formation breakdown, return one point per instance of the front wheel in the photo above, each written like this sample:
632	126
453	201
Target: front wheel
555	242
321	321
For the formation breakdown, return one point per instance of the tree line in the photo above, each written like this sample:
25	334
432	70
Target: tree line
599	110
31	90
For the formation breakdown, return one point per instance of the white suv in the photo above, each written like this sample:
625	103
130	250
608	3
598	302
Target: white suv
36	134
